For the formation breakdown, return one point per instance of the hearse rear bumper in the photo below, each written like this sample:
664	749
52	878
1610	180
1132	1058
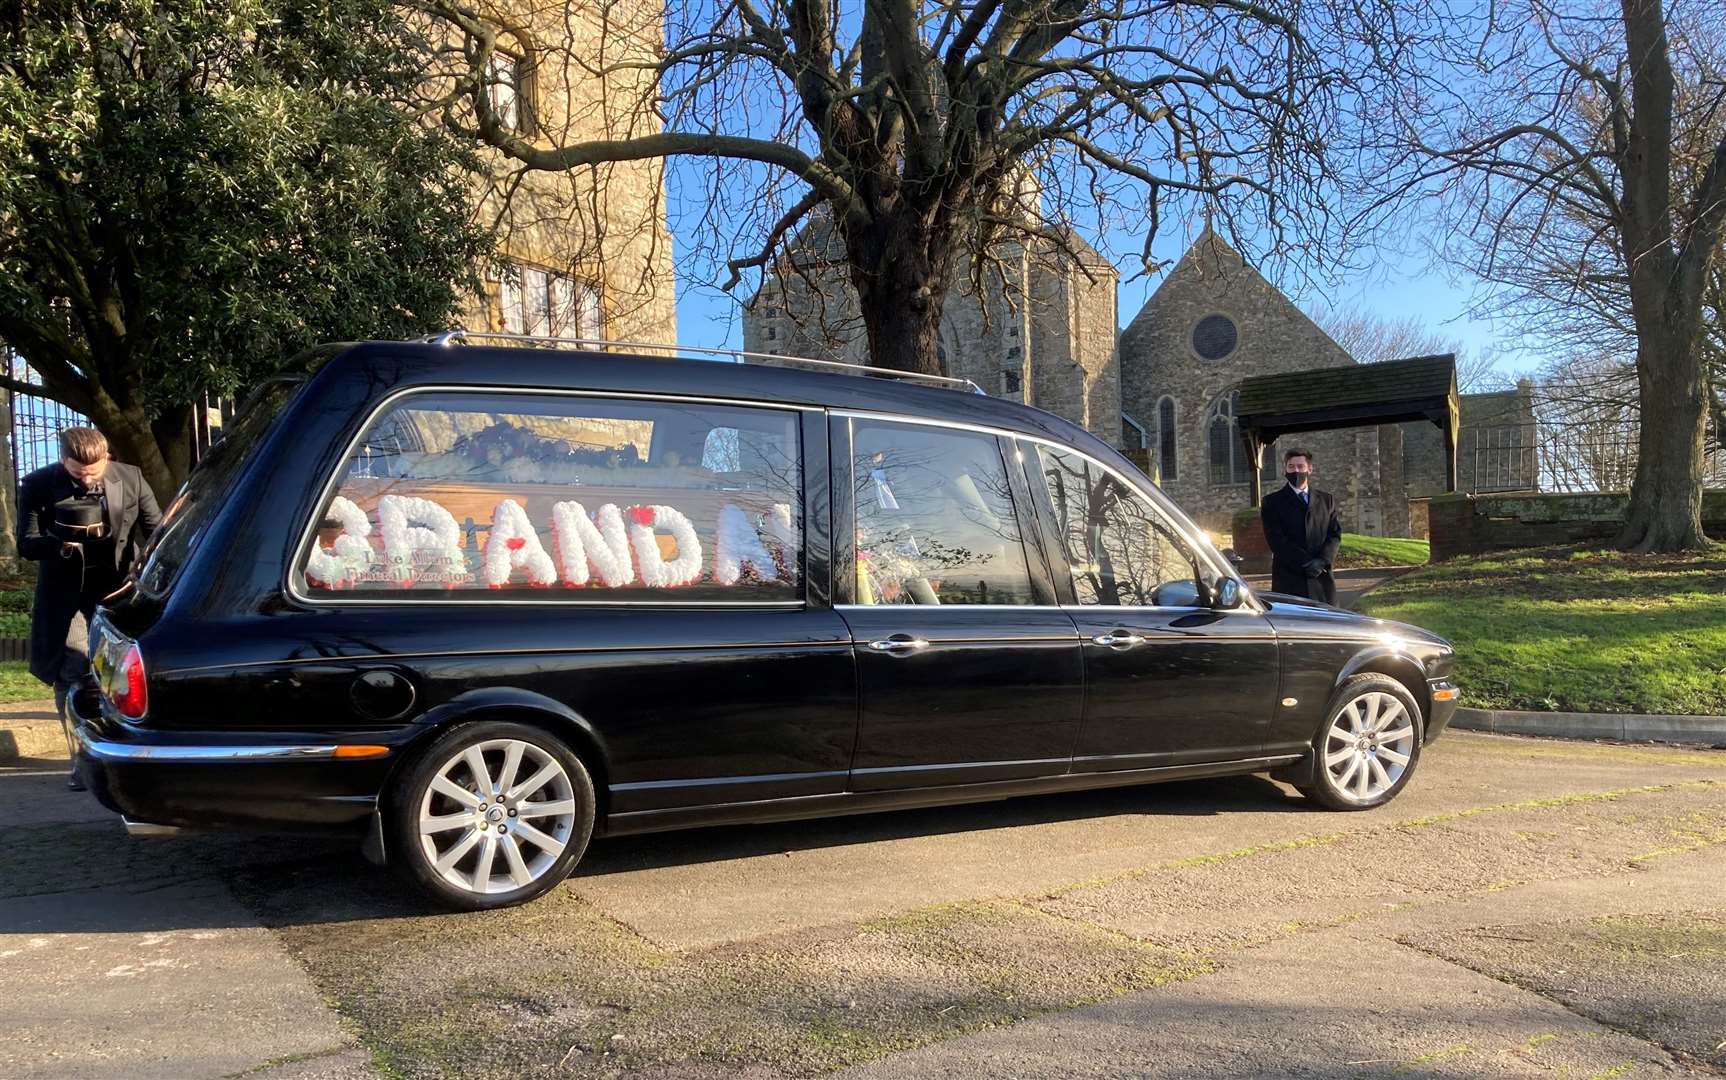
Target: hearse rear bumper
234	780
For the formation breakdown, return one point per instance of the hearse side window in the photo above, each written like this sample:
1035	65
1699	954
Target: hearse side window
935	520
516	496
191	511
1120	548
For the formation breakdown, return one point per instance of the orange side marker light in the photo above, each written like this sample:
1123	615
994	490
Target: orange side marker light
360	750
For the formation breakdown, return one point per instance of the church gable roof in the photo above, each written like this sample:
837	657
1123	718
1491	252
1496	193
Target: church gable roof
1214	274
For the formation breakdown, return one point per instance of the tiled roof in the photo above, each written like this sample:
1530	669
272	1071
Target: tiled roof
1391	383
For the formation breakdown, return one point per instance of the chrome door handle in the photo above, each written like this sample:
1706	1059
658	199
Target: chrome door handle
899	646
1118	639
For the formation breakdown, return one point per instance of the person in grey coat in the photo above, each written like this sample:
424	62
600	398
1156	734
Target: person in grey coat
84	521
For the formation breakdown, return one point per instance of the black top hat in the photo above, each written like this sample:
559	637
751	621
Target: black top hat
80	518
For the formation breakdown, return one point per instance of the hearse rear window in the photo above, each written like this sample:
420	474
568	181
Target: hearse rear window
516	496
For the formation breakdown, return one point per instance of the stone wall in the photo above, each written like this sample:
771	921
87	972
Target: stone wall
1495	448
1419	522
1470	524
1076	366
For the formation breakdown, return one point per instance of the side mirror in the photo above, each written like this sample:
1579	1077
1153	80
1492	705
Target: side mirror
1235	558
1227	593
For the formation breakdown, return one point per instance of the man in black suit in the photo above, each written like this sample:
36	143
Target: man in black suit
84	521
1303	530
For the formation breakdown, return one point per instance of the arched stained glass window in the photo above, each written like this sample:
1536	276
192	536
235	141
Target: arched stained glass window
1230	463
1166	457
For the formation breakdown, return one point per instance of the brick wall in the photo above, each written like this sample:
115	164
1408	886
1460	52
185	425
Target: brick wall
1467	525
1247	533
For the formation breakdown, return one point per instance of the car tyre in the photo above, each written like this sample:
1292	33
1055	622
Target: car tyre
491	814
1369	744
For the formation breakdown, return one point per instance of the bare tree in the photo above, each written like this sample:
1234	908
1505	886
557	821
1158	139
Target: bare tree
1568	119
1370	338
930	131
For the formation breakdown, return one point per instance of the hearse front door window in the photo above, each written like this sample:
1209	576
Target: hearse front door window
1121	550
569	498
935	518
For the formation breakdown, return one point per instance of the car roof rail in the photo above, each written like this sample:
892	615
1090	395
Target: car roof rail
736	356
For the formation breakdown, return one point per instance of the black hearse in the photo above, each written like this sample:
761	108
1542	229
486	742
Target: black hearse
478	603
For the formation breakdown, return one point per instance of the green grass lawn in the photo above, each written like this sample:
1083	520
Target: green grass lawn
1575	630
17	684
1359	550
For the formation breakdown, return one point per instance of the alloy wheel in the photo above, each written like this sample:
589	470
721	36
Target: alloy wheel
496	816
1368	746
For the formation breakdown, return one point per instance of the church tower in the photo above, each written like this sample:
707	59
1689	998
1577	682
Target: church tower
587	252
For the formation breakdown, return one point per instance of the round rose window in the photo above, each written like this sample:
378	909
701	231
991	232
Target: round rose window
1214	337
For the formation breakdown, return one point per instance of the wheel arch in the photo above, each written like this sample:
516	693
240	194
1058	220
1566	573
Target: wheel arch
1398	665
522	707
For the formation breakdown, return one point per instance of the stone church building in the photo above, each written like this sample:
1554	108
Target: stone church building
1164	389
1041	330
1214	321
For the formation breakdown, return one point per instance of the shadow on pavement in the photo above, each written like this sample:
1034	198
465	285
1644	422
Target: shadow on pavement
1197	798
308	880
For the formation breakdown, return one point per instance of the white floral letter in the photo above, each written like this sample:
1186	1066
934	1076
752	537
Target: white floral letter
739	545
685	567
514	543
582	543
413	525
351	553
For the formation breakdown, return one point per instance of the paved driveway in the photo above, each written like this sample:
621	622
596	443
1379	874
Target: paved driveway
1527	908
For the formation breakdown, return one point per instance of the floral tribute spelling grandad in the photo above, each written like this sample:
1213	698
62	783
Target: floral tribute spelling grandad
422	542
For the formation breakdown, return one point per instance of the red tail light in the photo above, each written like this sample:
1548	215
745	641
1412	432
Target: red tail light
128	692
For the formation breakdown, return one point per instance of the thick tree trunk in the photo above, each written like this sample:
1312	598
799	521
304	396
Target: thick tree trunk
1666	497
901	288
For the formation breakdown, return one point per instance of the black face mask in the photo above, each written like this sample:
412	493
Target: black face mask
1295	479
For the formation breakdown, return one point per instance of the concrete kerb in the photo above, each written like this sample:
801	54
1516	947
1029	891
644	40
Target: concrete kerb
1629	727
30	729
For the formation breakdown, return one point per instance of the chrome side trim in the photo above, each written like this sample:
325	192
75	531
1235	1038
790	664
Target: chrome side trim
367	658
715	781
535	602
876	770
149	828
948	607
871	801
1004	642
102	750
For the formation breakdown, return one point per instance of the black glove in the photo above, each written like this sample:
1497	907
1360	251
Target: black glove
1314	568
